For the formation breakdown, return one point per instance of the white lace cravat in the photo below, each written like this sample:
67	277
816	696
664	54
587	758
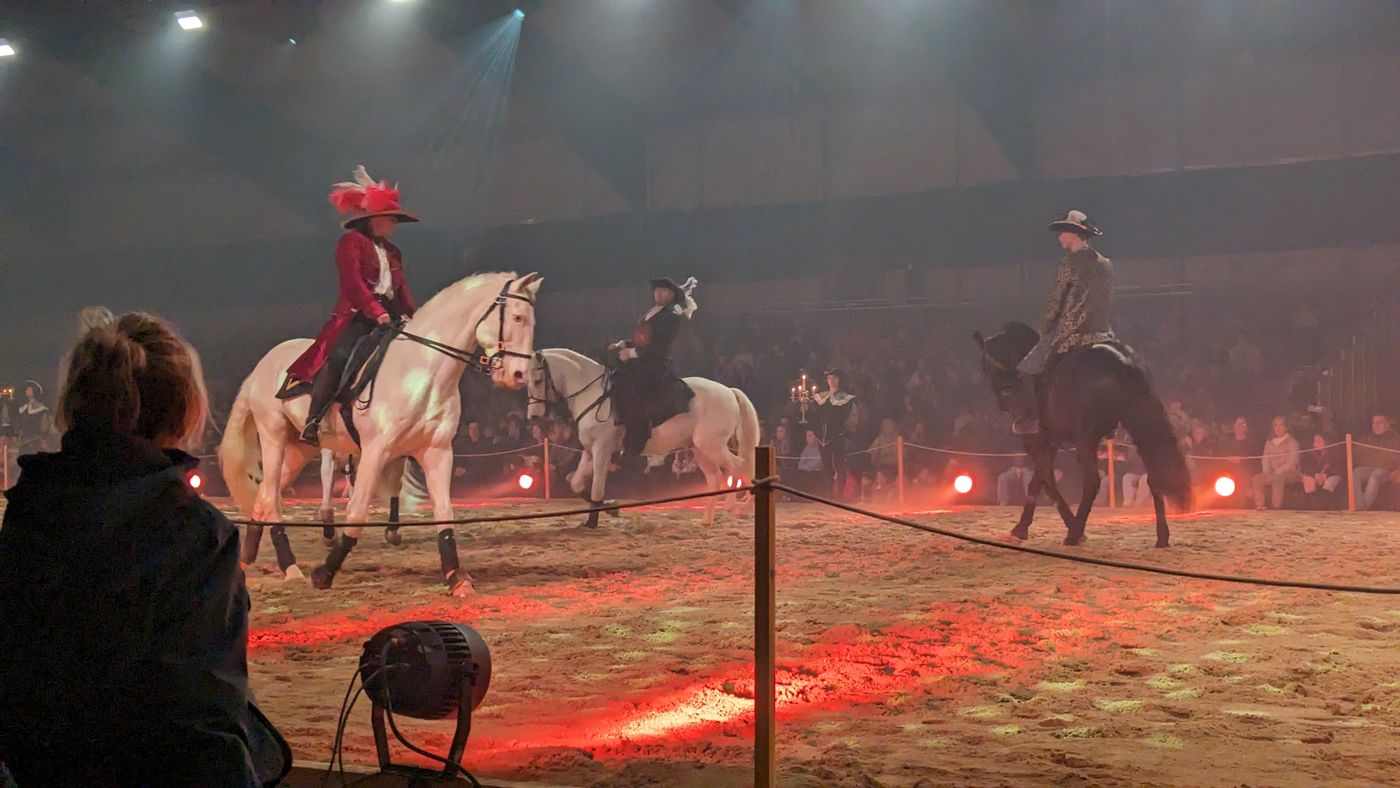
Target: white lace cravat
385	287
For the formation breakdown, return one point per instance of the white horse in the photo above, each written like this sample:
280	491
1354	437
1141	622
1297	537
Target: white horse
717	415
414	410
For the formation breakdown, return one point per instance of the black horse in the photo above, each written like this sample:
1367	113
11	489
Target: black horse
1083	398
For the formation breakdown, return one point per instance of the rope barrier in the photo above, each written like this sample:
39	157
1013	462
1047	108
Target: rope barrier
511	518
1160	570
1388	450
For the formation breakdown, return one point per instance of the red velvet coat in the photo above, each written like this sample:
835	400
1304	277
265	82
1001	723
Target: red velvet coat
358	267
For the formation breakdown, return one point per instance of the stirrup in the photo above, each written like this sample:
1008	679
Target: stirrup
1026	426
311	435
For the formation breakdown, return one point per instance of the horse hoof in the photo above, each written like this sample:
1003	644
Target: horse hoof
613	512
322	577
592	521
460	585
293	572
328	536
1015	537
1161	545
1073	542
327	515
393	537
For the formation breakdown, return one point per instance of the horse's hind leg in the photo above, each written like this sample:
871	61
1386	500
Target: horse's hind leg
1163	533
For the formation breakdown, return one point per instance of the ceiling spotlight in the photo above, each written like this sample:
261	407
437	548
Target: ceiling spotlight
292	41
6	48
518	14
188	20
428	670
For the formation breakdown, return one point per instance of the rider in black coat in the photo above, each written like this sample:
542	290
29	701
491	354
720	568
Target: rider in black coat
646	389
123	650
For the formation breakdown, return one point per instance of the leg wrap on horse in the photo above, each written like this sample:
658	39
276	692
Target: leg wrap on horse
447	551
283	545
336	557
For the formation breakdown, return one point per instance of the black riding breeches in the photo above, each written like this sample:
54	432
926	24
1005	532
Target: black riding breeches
327	383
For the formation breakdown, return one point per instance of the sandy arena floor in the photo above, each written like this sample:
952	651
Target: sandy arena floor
622	655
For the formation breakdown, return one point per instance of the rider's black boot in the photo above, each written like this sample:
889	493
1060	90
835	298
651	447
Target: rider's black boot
321	395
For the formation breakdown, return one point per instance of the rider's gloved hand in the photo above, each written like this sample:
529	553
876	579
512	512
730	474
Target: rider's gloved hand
384	319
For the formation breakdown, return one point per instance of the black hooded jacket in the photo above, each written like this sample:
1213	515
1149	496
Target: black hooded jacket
124	626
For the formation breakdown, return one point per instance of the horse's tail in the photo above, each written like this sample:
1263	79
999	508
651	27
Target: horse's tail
240	453
1146	420
748	432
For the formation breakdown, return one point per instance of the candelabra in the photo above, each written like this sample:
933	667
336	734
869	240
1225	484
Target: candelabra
803	395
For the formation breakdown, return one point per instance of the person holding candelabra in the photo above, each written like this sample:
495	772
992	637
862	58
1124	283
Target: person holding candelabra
835	408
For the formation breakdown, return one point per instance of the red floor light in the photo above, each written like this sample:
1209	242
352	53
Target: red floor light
196	481
526	481
963	484
1224	487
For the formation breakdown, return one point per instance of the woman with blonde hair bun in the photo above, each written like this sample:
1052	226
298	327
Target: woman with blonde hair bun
123	655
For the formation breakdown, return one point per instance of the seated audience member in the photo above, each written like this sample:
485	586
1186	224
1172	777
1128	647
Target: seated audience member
1376	461
884	454
1237	450
123	655
1322	470
1279	466
1012	484
810	469
1136	493
783	448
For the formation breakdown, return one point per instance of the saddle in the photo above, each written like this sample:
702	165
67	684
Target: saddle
359	375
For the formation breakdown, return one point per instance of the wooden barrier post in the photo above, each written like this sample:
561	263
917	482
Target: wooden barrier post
1351	481
765	637
1112	485
545	470
899	444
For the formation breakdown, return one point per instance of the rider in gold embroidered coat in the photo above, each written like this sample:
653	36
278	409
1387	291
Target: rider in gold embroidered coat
1077	314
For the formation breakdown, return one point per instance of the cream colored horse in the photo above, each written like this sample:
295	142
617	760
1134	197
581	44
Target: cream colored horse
717	415
486	320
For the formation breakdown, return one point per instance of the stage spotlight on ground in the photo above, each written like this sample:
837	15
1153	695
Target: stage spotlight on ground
196	481
6	48
428	670
1224	487
188	20
526	481
963	484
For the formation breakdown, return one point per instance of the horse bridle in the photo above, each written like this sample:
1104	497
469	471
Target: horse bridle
549	388
486	362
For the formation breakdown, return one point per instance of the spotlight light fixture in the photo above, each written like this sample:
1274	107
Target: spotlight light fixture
526	481
427	670
963	484
188	20
6	48
1224	487
519	14
292	41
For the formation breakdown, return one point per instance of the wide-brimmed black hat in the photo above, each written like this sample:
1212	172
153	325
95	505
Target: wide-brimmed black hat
1076	222
34	384
669	285
838	372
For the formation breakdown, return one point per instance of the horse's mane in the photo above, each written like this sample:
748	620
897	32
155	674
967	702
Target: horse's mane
463	285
